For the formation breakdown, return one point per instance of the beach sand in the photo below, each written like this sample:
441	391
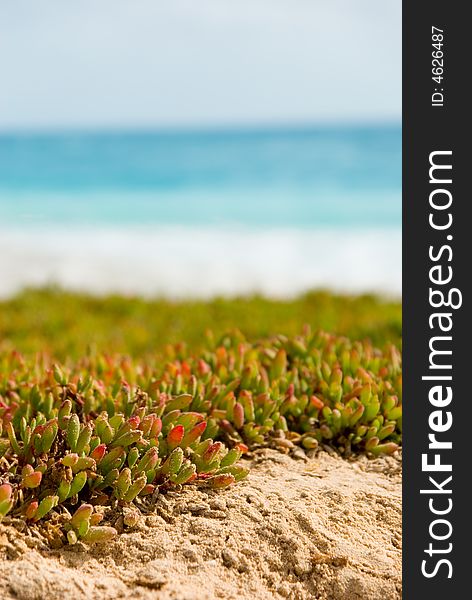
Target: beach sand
200	262
324	528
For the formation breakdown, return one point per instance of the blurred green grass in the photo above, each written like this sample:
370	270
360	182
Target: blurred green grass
66	324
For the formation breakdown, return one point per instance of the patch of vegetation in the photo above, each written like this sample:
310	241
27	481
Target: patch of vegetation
105	431
66	325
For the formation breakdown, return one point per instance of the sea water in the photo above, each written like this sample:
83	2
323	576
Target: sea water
199	213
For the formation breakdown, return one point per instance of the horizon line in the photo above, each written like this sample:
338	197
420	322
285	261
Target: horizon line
248	127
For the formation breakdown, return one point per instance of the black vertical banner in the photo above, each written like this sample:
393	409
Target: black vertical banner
437	259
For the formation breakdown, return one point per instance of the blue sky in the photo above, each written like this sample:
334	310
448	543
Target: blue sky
153	63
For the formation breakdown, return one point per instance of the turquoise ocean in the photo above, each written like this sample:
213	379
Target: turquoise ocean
198	213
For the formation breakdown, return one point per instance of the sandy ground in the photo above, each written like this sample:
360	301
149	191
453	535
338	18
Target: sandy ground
323	528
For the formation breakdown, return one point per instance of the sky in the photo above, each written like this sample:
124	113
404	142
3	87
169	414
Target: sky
177	63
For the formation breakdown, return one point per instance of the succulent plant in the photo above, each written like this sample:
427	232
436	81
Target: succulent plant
110	431
6	501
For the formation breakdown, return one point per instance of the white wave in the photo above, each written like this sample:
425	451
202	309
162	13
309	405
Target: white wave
180	262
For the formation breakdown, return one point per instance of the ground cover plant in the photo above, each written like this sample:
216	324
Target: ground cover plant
66	324
104	431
